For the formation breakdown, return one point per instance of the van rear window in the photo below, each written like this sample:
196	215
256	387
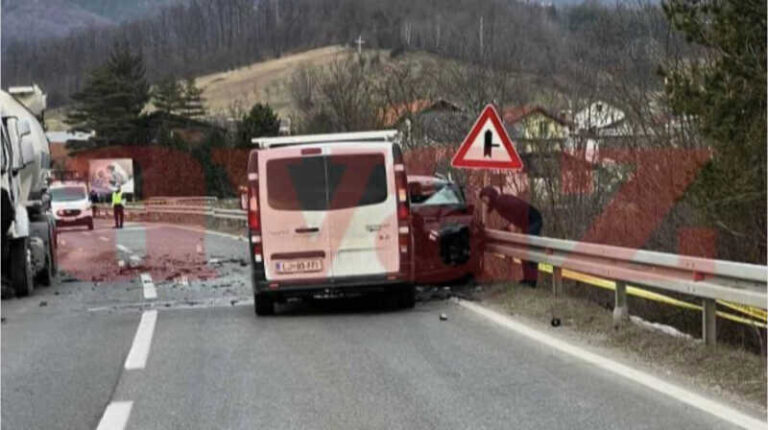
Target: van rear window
326	182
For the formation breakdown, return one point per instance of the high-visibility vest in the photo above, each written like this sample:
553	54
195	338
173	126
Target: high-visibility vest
117	198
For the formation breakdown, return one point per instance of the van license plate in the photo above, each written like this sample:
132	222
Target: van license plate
299	266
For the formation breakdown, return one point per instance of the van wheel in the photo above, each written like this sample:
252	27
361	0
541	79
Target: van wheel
408	297
21	267
264	304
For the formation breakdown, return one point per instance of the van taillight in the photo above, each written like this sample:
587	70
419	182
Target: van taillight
403	212
254	223
254	219
253	210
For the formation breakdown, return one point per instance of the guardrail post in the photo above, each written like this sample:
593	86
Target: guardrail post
557	281
620	308
557	291
709	322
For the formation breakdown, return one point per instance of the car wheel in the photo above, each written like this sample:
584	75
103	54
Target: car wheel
264	304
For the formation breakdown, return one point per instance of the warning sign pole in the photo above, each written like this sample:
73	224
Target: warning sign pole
486	181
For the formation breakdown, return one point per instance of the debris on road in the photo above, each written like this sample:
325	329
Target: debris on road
134	261
43	303
443	317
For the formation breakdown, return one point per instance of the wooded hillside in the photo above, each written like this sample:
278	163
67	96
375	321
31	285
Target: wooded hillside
587	45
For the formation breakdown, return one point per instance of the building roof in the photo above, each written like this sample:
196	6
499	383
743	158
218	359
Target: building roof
395	114
514	114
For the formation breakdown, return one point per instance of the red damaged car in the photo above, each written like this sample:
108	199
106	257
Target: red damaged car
448	241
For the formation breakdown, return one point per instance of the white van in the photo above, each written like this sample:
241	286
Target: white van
70	204
328	215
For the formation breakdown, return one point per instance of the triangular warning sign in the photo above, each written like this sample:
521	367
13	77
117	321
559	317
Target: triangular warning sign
487	146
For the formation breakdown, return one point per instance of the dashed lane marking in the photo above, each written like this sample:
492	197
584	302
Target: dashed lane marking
150	293
137	357
115	416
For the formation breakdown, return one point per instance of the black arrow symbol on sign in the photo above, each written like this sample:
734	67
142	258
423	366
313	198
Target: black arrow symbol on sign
489	145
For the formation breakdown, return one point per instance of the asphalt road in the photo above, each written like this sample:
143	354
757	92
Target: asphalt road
210	363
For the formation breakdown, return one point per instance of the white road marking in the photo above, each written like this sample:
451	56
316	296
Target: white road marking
123	248
150	293
137	357
115	416
103	238
681	394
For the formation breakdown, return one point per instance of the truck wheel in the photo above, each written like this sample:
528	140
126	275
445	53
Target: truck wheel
52	246
264	304
45	276
21	267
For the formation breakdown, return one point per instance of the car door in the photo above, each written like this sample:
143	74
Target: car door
295	226
363	210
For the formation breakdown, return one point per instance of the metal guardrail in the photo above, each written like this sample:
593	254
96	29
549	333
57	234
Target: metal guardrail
229	214
710	280
181	201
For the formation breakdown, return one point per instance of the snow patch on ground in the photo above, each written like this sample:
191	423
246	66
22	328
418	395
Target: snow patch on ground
660	327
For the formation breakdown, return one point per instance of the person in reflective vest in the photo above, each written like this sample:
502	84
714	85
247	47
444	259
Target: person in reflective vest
522	218
117	207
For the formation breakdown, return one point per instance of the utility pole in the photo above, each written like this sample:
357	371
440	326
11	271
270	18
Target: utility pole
359	42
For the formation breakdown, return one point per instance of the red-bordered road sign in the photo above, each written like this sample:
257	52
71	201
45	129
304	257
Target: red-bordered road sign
487	146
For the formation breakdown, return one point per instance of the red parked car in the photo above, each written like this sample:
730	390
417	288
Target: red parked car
448	240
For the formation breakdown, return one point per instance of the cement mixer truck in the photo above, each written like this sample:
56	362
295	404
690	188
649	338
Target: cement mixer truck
28	229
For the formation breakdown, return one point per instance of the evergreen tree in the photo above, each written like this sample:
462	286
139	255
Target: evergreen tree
724	92
168	95
192	100
261	120
112	99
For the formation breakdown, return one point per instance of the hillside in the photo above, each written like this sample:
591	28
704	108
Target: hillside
264	81
41	19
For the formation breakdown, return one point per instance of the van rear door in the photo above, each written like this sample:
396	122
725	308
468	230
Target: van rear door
363	210
294	199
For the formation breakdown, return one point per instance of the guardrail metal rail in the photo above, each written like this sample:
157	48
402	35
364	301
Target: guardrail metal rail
709	280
